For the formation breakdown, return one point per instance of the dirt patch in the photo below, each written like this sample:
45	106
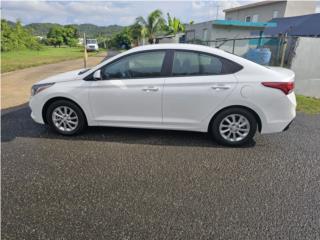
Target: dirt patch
16	85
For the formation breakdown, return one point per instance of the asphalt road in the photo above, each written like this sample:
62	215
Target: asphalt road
112	183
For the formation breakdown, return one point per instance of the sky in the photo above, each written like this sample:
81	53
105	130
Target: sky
105	13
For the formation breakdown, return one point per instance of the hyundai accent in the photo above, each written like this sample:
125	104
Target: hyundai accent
170	86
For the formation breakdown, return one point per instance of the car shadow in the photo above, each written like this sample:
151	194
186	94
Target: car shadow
16	122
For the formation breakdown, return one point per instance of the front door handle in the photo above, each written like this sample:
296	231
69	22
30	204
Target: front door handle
150	89
220	87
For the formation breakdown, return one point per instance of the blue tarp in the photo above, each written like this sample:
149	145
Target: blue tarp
306	25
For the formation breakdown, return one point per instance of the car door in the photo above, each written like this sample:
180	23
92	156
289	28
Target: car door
197	85
130	91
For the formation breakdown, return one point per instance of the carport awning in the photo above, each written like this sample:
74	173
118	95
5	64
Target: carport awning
306	25
236	23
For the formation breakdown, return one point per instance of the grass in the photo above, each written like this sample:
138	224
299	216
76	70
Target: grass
14	60
308	104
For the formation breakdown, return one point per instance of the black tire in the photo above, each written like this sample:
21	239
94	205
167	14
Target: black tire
215	126
82	123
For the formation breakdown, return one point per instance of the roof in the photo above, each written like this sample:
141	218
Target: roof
251	5
237	23
306	25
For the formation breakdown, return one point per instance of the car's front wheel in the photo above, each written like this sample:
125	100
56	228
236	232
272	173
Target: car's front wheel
65	117
234	127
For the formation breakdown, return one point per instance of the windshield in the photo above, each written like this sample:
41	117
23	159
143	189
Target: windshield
91	41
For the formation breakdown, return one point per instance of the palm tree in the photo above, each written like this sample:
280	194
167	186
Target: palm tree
174	25
153	24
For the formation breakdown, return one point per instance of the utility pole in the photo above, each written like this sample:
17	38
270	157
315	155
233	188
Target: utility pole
284	47
85	56
217	13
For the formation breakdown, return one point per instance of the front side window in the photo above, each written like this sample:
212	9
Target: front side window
194	63
140	65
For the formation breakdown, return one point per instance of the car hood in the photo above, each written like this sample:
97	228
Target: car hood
62	77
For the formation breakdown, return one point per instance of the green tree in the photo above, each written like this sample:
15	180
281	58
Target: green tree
174	25
55	36
70	36
136	33
152	25
16	37
122	39
59	35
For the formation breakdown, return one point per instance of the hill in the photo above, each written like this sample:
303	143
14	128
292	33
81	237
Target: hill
91	30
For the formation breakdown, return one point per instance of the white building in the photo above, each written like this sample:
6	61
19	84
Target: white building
264	11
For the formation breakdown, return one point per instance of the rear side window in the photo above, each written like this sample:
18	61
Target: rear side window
210	65
188	63
185	64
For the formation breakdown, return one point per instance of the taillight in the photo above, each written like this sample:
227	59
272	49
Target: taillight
286	87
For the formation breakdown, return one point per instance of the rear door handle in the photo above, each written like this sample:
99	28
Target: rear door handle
220	87
150	89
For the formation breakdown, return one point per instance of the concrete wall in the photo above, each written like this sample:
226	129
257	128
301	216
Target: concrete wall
297	8
197	30
171	39
265	12
306	66
215	31
287	8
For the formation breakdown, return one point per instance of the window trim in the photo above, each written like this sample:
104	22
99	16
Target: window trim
200	52
164	68
166	65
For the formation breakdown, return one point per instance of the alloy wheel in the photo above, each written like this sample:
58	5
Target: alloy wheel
234	127
65	119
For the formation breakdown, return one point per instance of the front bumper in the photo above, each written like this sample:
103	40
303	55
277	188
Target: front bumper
36	110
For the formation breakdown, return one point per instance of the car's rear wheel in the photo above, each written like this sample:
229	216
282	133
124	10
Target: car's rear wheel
65	117
234	127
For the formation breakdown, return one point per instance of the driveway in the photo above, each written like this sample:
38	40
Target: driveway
16	85
113	183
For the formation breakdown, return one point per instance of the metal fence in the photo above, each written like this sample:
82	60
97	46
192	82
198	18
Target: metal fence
280	52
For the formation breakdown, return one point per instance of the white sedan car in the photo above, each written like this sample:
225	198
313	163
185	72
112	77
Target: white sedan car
170	86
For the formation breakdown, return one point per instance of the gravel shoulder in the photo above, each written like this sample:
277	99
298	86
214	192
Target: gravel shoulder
16	85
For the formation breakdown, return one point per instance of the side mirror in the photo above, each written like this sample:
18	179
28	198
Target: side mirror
97	75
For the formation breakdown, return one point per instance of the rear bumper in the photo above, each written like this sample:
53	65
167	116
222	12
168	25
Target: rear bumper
287	127
280	116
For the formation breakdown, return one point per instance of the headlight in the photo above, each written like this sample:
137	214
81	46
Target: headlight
39	87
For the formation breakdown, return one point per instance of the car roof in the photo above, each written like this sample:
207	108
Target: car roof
183	46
